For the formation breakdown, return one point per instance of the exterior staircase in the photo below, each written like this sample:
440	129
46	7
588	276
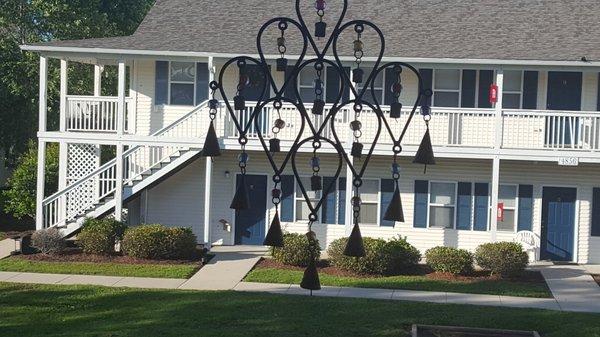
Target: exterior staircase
143	166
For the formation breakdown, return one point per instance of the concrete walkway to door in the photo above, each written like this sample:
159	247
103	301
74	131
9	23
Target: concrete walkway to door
226	269
573	287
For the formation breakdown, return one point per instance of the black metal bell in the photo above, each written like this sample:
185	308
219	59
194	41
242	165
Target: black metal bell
240	200
395	110
282	64
318	107
239	103
211	143
274	145
310	280
425	153
274	236
394	211
315	183
356	149
357	75
213	104
320	28
355	246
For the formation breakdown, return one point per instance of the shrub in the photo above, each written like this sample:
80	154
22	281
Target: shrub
48	241
382	258
98	236
296	250
503	258
159	242
449	260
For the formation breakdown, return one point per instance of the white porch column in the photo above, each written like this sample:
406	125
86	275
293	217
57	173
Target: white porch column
41	176
98	69
496	159
63	147
120	132
207	201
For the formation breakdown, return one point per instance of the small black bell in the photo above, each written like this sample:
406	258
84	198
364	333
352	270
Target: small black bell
395	110
274	236
211	143
310	280
318	106
355	246
282	64
239	103
425	153
274	145
394	211
357	75
356	149
315	183
240	200
213	104
320	28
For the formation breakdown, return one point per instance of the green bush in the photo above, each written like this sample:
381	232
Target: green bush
159	242
382	258
503	258
449	260
296	250
99	236
48	241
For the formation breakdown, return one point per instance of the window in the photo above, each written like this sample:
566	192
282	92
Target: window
182	79
378	86
332	209
513	89
446	87
442	204
307	84
302	209
507	194
369	195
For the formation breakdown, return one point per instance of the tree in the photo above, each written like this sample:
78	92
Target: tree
20	197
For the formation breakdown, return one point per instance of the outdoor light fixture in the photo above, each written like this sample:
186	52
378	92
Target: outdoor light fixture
359	149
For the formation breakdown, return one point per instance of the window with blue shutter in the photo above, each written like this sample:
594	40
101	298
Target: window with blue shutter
524	221
486	78
328	208
161	83
342	201
290	89
530	89
387	192
201	82
286	208
420	204
480	216
468	88
333	83
427	78
596	212
463	212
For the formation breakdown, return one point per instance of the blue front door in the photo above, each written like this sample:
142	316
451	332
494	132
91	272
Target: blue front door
558	223
250	223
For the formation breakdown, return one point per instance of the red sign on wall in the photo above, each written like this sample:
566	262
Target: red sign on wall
500	211
493	93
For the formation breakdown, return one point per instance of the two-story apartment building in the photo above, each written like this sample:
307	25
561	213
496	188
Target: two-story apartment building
528	162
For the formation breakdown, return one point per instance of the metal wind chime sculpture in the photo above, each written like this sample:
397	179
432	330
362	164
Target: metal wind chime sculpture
394	212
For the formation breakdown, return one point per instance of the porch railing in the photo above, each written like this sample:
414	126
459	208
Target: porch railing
95	114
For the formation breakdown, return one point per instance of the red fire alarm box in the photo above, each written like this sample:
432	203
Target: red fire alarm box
500	211
493	93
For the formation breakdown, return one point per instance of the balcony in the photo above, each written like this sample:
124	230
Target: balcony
94	114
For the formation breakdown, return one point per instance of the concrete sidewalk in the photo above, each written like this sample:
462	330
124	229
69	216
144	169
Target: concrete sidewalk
573	287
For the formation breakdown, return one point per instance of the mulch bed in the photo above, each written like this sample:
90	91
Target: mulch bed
76	255
421	270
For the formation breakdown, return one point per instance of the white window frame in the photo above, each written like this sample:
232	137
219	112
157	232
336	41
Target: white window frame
182	82
459	90
430	204
519	92
359	86
514	208
301	198
312	85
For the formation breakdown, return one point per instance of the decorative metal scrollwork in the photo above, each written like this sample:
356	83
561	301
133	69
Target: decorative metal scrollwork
244	123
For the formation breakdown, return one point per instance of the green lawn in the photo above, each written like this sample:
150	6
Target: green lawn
37	310
107	269
496	287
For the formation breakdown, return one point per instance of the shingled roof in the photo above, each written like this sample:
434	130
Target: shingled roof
544	30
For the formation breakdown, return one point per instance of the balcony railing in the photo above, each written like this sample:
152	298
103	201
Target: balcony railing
94	114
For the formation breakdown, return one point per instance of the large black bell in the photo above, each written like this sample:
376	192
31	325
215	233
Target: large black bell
211	143
310	280
425	153
274	236
274	145
394	211
355	246
240	200
320	28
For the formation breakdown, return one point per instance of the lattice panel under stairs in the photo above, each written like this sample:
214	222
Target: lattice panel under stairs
82	160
